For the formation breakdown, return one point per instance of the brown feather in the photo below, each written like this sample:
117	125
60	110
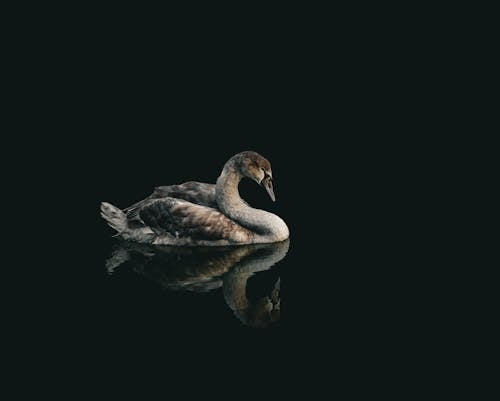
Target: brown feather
184	219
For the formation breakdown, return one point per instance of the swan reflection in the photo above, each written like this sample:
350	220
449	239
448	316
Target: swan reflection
204	269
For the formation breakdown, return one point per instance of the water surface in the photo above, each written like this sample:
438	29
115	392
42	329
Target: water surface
226	272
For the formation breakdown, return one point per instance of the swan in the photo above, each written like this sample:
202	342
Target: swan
200	214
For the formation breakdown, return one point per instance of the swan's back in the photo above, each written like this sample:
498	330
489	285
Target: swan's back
199	193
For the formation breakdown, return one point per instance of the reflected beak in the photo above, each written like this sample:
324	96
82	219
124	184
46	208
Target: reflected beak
267	183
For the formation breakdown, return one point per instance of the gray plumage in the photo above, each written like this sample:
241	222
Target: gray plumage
195	213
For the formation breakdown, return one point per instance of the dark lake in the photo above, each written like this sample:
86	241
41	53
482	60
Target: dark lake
226	286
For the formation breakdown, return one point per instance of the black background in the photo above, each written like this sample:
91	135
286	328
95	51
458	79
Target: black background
330	183
116	120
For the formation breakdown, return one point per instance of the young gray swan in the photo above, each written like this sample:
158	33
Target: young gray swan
200	214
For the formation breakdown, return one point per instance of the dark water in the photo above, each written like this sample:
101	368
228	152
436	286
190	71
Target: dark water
240	283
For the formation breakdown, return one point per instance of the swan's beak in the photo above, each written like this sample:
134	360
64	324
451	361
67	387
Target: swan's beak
267	183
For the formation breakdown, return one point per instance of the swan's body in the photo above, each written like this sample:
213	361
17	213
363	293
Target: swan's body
194	214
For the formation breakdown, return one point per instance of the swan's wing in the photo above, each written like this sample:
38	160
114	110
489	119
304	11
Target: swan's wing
199	193
195	192
183	219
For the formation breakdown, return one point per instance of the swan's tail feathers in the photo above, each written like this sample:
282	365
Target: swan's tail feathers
114	217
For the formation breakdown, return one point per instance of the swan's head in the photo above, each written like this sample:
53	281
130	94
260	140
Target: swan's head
252	165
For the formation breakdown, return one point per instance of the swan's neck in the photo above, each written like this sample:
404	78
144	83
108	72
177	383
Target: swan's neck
267	226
